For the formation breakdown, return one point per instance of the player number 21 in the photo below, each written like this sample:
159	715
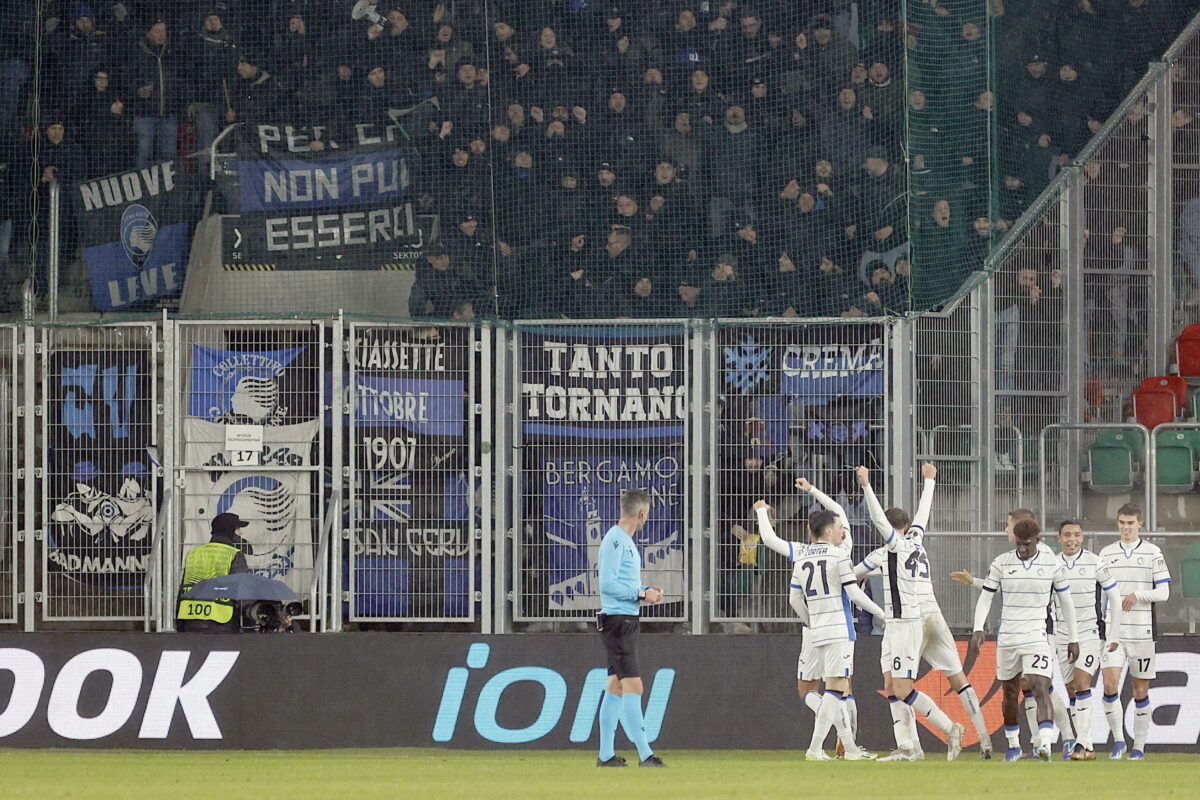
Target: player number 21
811	569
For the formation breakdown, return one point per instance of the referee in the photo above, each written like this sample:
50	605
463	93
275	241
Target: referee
621	591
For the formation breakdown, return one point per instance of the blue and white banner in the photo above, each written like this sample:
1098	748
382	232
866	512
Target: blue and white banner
581	499
611	383
352	179
277	503
250	387
100	418
813	366
136	231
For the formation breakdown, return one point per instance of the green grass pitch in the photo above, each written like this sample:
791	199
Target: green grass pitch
354	774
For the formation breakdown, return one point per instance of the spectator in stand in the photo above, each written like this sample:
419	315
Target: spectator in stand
1073	100
671	215
441	285
157	77
643	301
299	68
103	128
253	94
523	186
14	203
879	211
612	268
458	177
827	56
466	104
216	55
731	170
845	131
681	145
702	103
884	96
86	48
745	53
722	293
60	160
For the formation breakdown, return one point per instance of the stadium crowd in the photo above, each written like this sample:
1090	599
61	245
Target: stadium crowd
612	158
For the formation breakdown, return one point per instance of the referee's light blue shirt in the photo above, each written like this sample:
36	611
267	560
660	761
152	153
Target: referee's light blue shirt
620	568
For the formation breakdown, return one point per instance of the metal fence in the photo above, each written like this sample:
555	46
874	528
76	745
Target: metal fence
792	401
463	475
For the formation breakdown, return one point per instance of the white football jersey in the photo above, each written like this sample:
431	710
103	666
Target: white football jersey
820	573
1139	568
1026	587
904	567
1085	572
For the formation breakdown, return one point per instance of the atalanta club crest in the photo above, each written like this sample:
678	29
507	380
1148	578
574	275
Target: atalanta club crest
138	231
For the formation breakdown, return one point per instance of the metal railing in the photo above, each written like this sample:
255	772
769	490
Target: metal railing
1147	459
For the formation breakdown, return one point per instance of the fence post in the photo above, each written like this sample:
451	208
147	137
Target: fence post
54	243
332	620
1159	198
29	523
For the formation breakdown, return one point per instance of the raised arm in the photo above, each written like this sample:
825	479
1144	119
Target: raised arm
769	537
925	505
829	504
878	518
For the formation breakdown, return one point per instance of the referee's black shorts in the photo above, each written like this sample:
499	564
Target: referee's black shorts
619	634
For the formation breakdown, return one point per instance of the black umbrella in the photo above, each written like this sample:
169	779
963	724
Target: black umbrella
242	586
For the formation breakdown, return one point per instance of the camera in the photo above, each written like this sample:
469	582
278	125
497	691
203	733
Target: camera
269	616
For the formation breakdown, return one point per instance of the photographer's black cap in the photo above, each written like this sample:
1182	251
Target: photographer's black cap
227	523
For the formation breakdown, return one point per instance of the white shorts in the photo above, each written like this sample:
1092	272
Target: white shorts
833	660
1139	656
1088	661
938	647
900	652
806	667
1034	658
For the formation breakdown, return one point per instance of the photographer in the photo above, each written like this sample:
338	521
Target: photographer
225	554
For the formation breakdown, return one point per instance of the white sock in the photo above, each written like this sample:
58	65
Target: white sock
1141	723
828	715
1083	718
813	701
852	711
923	704
1030	704
1061	717
1013	734
1045	733
902	717
1115	715
970	702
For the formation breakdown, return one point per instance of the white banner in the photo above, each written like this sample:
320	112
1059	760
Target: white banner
276	504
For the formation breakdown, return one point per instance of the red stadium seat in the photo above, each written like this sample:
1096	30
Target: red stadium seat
1187	352
1172	383
1153	406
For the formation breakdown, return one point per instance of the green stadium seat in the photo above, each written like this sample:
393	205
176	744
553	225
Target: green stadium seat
1176	455
1112	462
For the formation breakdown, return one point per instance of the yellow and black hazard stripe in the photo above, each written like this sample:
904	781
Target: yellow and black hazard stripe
250	267
397	267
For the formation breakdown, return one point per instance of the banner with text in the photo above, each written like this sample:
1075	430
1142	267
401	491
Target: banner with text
581	498
411	516
135	229
323	197
611	384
